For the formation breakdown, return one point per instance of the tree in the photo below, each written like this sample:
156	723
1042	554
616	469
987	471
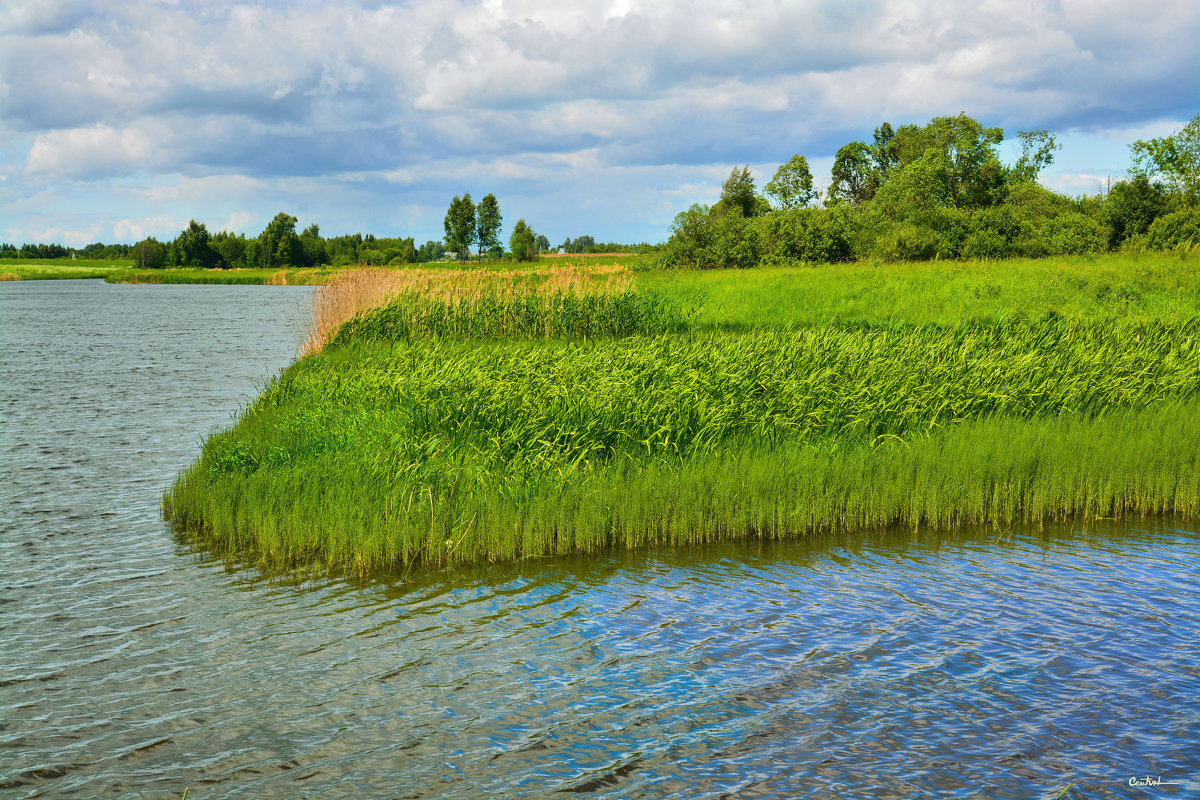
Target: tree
488	225
149	254
543	244
738	192
885	151
191	248
792	184
523	242
1175	158
279	246
855	177
1037	153
460	226
230	249
312	247
1130	207
967	156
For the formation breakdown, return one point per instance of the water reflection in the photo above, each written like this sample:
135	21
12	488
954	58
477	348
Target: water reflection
902	664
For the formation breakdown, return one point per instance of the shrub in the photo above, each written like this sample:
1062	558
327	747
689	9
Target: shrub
1174	230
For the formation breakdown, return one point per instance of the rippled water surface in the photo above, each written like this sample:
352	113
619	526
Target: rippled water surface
891	666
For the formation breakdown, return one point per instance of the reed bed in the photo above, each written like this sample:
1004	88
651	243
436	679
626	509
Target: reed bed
445	301
435	450
995	471
30	269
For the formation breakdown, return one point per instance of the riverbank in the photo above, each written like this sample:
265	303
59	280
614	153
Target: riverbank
37	269
446	428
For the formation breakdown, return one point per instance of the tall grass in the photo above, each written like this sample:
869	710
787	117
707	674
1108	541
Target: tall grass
29	269
435	450
455	302
1118	286
993	471
231	277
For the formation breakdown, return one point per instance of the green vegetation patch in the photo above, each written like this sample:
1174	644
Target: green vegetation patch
526	315
240	277
430	450
25	269
1129	287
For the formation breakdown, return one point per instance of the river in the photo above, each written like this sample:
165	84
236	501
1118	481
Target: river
984	665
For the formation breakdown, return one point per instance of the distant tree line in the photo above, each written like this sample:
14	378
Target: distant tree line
940	191
96	250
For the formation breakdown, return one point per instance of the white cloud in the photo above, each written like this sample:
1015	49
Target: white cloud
214	108
161	226
85	152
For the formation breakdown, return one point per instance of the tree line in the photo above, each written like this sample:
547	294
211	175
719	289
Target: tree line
940	190
472	231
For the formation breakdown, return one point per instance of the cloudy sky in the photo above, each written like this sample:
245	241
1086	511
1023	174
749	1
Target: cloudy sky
125	119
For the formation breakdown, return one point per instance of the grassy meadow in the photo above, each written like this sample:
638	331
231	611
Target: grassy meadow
38	269
443	416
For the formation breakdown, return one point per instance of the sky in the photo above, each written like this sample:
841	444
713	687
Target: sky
121	120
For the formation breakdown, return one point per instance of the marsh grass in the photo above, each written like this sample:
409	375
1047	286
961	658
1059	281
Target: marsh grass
233	277
1118	286
28	269
430	450
384	305
995	471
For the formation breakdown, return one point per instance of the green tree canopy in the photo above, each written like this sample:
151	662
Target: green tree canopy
460	226
855	175
279	246
792	184
523	242
149	254
312	247
966	152
1037	153
1175	158
487	231
738	192
191	248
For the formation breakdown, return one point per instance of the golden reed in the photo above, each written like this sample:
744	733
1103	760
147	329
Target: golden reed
352	291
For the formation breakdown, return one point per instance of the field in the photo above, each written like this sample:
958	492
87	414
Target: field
1150	286
29	269
450	416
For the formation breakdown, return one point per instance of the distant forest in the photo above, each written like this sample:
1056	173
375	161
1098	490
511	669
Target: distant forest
912	193
940	191
279	246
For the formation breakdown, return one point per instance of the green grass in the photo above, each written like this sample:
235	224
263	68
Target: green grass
30	269
432	450
527	315
246	277
1151	286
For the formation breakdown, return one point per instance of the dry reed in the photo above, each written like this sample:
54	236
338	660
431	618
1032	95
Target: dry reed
356	291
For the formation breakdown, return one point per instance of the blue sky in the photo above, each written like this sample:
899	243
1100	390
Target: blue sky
122	120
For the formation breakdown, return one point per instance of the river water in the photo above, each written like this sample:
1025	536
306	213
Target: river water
899	665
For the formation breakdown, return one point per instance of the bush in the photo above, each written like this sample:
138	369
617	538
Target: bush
704	238
1074	234
1181	228
804	234
906	242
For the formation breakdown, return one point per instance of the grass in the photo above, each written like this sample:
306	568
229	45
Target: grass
436	439
1118	286
244	277
32	269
